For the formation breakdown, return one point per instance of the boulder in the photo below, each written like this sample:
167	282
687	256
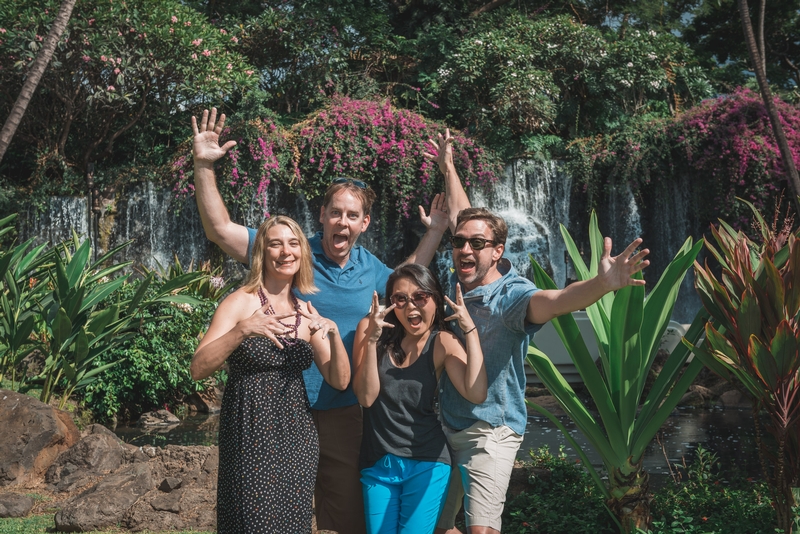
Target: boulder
105	504
99	452
33	436
15	505
735	399
206	401
158	418
696	396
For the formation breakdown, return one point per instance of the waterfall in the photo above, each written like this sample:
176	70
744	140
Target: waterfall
534	200
533	197
55	224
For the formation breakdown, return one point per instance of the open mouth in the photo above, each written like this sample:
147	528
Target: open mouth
466	266
416	320
339	240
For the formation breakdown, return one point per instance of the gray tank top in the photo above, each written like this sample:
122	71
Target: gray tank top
402	420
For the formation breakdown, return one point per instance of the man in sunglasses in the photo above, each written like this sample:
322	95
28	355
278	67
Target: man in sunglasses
346	275
507	310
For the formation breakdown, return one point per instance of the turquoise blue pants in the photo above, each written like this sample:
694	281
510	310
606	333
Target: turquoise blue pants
404	496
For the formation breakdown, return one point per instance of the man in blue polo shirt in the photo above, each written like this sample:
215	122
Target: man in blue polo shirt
507	310
346	275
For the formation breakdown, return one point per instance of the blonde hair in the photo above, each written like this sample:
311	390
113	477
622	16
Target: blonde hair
303	279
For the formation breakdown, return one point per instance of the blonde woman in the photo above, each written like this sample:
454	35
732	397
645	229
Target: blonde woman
268	446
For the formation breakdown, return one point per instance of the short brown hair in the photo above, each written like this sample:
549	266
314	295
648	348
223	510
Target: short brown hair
494	222
365	195
303	279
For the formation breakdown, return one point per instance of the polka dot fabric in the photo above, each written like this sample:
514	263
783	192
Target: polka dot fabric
268	446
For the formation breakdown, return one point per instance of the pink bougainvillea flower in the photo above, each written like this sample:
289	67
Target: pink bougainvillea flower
194	56
197	42
206	52
173	19
111	88
235	39
86	58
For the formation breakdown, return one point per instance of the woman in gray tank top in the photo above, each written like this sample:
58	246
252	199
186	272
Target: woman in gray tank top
398	356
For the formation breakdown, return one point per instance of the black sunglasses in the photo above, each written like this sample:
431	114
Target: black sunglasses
343	180
475	243
419	298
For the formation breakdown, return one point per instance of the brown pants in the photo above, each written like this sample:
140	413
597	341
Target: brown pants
338	499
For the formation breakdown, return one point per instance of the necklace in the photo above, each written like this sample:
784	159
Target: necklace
291	327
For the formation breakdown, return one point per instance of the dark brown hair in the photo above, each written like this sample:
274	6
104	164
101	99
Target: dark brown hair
494	222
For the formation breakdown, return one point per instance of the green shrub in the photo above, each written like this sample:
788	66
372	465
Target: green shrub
154	367
708	504
565	501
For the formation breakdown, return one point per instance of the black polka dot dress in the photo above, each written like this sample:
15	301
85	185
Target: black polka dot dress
268	446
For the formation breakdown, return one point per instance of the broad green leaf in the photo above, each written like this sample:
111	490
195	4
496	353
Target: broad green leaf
81	348
137	298
101	291
566	397
100	320
785	350
107	271
625	356
748	316
661	301
178	282
581	271
61	280
62	328
23	332
77	264
763	362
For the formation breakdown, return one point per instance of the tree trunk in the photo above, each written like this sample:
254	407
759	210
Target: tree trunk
35	75
766	95
630	498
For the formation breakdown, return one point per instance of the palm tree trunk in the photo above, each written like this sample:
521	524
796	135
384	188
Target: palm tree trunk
35	75
766	95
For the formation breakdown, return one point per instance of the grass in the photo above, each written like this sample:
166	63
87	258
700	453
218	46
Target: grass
41	524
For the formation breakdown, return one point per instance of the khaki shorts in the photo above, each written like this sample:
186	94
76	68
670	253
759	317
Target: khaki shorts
485	457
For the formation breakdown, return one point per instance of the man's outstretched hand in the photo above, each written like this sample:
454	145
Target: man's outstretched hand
617	272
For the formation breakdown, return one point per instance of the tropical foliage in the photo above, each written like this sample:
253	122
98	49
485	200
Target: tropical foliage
61	303
725	146
754	340
628	326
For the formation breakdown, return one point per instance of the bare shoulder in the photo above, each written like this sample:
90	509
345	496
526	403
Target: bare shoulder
239	304
449	342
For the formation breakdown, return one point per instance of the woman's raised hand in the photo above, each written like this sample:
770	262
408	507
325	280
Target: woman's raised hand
376	316
318	323
269	326
206	147
460	312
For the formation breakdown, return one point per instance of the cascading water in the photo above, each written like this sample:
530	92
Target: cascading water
533	199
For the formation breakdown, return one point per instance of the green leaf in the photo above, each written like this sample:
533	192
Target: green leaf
78	263
786	351
179	282
62	328
748	316
763	362
23	332
81	347
107	256
101	291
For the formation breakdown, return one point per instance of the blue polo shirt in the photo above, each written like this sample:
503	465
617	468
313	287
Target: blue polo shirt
499	311
345	296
